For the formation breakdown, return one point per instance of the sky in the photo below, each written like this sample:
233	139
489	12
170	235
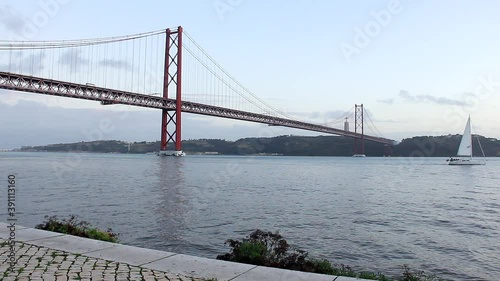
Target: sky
419	67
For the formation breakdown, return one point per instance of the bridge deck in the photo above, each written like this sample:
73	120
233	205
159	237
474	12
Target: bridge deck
24	83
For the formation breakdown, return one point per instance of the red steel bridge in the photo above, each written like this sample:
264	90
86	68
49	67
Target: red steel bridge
154	70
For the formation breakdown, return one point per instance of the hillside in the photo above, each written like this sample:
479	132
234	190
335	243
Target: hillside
444	146
422	146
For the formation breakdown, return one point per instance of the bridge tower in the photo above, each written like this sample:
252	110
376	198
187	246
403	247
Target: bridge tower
359	143
172	82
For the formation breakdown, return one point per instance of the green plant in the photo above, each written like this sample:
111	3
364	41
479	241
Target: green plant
344	270
271	249
74	227
260	247
251	252
97	234
373	276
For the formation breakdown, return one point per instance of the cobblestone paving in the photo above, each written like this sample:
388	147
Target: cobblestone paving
40	263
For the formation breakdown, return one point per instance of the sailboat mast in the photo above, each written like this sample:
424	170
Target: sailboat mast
470	136
478	142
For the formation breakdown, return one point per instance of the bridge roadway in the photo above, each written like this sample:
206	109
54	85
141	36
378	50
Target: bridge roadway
24	83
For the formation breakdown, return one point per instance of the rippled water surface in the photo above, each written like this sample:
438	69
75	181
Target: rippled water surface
373	213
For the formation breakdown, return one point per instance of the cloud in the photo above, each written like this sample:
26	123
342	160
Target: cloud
25	64
73	59
11	20
387	101
114	63
324	115
443	101
406	96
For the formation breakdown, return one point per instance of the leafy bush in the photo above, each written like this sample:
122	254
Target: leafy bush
74	227
271	249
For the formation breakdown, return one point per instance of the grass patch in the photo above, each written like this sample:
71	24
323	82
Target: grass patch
272	250
74	227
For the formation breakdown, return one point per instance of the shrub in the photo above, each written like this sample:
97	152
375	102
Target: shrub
271	249
74	227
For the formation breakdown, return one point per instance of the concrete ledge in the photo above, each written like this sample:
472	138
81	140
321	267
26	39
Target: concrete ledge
160	260
268	273
129	254
71	244
30	234
200	267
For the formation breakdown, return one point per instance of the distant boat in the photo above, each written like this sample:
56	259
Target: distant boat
464	154
170	153
359	155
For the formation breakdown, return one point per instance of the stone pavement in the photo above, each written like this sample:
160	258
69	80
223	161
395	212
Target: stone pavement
41	263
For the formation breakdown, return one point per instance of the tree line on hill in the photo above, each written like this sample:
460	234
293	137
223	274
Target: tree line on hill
422	146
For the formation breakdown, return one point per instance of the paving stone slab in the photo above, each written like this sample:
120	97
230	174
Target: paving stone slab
29	234
268	273
72	244
129	254
200	267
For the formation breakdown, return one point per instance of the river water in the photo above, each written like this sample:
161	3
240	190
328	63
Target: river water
370	213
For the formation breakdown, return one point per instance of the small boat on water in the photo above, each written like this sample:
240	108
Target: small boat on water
464	154
170	153
359	155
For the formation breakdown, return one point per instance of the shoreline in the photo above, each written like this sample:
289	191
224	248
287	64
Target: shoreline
59	252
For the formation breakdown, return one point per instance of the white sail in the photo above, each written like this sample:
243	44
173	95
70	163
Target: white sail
465	148
464	153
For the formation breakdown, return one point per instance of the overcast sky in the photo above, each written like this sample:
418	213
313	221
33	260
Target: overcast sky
419	67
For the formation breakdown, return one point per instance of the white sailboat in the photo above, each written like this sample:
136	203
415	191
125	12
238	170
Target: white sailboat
464	154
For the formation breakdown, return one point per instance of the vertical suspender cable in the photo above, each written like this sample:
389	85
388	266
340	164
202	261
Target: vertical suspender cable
139	54
145	61
133	70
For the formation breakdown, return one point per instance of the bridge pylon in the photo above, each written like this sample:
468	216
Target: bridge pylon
171	122
359	143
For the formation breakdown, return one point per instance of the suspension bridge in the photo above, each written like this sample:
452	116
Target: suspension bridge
163	69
